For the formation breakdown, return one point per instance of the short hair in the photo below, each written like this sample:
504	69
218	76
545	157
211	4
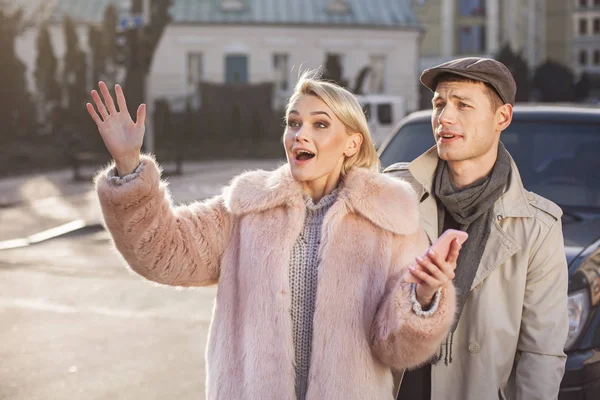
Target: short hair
491	93
346	107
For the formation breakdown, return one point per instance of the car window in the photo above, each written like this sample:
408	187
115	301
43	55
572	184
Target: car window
558	160
412	140
384	113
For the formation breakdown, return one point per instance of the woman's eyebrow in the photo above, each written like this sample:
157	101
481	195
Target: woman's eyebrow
320	113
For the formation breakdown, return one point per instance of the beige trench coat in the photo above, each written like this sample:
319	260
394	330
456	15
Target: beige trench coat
510	338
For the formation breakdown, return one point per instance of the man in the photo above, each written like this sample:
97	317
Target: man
511	325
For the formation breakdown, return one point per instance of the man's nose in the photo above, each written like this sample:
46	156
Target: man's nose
447	115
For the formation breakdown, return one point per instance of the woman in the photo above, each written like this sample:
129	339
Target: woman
319	295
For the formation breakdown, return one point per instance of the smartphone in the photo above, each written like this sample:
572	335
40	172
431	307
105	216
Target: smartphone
442	245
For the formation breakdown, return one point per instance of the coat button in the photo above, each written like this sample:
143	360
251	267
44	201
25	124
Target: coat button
474	347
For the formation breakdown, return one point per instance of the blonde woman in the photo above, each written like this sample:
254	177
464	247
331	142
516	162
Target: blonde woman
319	294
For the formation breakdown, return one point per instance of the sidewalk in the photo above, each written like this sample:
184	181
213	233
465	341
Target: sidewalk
34	204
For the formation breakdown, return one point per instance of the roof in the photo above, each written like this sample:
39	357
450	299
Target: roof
358	13
376	13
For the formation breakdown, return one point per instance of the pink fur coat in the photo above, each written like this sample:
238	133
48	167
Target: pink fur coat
242	240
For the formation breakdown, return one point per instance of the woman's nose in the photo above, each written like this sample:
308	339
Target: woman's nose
301	135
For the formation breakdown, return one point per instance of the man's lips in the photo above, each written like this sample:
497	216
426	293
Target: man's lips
447	136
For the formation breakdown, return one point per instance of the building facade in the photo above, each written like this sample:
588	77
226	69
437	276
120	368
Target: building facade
254	41
585	47
462	28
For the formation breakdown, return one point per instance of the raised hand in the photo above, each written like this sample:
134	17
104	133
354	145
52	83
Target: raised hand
123	137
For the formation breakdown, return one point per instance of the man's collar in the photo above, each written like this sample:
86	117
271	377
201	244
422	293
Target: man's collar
513	203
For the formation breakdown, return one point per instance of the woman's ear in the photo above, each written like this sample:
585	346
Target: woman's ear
354	142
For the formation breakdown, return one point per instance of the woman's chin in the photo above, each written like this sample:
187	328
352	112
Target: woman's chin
300	174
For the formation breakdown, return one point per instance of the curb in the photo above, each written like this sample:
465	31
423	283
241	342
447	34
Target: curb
52	233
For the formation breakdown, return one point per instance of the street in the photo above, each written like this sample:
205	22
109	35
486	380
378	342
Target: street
77	324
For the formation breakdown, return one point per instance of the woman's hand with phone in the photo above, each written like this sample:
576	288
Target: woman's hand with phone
433	271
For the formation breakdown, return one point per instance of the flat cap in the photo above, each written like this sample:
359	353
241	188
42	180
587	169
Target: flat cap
485	70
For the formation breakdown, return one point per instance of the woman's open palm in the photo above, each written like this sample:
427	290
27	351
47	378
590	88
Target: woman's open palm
122	136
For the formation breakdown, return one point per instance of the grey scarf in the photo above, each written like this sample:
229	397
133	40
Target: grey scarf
473	209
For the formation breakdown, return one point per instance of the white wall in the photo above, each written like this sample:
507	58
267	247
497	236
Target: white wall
306	46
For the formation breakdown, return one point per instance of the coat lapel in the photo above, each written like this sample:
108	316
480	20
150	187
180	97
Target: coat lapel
501	245
423	170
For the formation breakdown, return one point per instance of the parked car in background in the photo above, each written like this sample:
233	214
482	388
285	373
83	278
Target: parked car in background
383	113
557	150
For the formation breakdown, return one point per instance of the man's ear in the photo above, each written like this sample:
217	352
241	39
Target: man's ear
504	117
354	142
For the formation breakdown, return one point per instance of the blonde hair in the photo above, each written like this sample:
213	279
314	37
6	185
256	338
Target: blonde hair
345	106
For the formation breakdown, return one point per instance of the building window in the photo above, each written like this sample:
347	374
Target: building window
596	3
470	8
471	39
583	27
281	70
377	75
236	68
596	57
596	29
195	71
334	67
583	58
583	3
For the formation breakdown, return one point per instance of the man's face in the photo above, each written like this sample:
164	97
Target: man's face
464	125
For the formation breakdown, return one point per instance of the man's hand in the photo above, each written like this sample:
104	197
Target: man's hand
432	272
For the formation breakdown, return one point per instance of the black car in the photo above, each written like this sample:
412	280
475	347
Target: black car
557	151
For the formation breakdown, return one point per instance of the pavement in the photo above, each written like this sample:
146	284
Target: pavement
39	207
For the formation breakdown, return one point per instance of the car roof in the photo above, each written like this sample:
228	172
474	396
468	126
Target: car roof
554	112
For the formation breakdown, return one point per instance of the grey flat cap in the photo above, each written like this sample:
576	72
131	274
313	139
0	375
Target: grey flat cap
480	69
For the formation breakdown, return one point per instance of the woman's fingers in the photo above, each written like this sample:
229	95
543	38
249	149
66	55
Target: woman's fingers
409	277
434	270
110	104
425	278
121	98
93	114
99	105
454	252
141	115
446	267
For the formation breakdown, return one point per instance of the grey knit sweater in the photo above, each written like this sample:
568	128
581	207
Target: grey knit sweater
304	264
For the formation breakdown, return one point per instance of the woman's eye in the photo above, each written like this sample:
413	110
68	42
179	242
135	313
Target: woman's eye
321	125
293	124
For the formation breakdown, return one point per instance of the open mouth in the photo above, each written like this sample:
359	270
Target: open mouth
303	155
448	136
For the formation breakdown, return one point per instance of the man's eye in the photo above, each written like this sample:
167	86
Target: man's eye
463	105
438	106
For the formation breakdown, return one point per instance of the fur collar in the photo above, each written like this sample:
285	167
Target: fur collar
387	202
